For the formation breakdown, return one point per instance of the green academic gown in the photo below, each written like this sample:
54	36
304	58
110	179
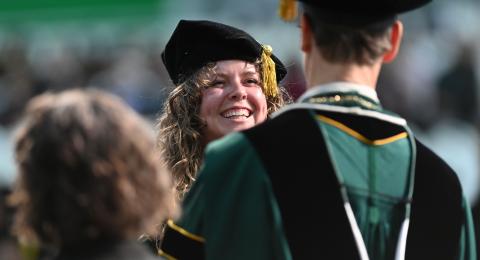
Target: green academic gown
332	177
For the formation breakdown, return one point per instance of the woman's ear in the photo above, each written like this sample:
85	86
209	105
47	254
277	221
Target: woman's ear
395	40
306	36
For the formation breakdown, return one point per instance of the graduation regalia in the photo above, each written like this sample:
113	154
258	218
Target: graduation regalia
362	187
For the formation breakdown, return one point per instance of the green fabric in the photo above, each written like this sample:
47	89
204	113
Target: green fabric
235	209
467	236
377	186
388	164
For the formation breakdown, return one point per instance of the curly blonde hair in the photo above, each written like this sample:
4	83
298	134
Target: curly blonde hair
180	126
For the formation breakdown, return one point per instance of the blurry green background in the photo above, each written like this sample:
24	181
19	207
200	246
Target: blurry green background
22	12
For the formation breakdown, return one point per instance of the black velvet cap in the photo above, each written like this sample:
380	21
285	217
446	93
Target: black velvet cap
356	13
193	44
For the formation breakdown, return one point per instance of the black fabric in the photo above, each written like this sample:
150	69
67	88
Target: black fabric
182	247
359	14
437	213
193	44
371	128
124	250
305	187
307	192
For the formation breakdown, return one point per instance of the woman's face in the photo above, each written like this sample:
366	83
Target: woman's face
233	101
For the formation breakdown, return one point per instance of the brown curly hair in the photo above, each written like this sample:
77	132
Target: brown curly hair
88	170
180	126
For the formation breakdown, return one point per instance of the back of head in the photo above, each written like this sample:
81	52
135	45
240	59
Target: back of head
353	32
88	170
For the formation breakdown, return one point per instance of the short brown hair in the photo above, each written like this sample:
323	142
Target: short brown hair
88	170
343	44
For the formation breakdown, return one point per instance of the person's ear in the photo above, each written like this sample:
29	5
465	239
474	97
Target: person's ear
306	34
395	40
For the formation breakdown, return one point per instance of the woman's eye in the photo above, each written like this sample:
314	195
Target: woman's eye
252	81
217	84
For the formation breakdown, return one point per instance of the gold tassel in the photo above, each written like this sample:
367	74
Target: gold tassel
288	10
269	76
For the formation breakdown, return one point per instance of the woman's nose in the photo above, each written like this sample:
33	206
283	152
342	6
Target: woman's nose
238	92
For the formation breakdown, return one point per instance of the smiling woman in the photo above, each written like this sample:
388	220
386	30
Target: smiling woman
225	81
234	101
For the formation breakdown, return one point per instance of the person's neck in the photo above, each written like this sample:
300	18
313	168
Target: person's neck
318	71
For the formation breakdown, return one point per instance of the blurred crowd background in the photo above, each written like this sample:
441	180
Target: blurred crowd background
116	45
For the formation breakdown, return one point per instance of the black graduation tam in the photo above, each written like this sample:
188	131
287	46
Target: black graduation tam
351	13
193	44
